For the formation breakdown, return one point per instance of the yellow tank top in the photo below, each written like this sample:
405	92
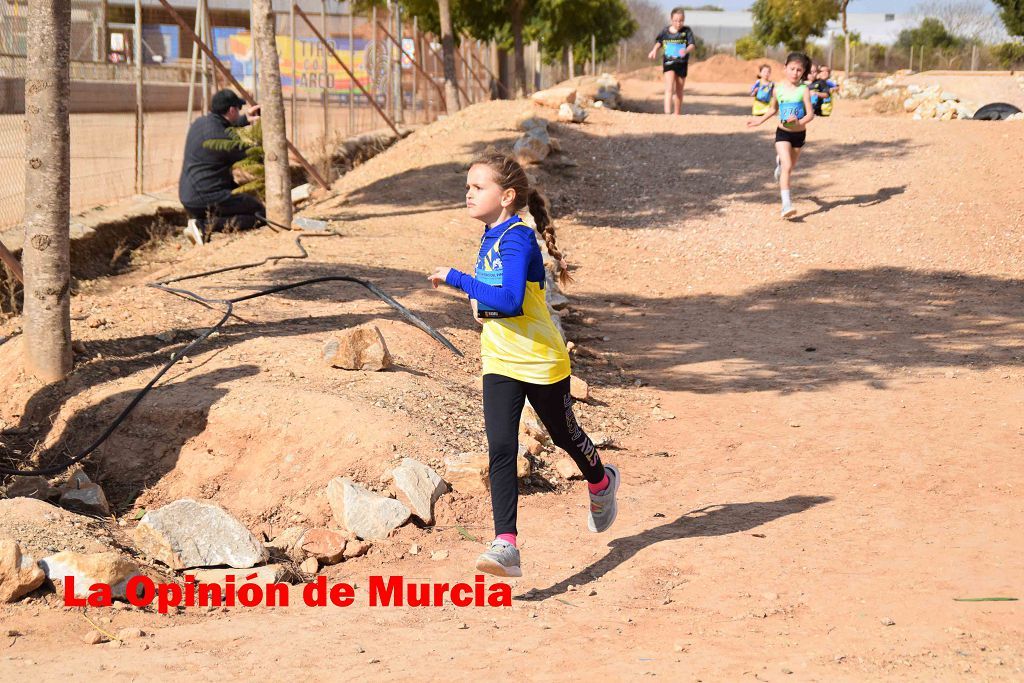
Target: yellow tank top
525	347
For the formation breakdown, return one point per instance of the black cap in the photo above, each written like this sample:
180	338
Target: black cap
224	100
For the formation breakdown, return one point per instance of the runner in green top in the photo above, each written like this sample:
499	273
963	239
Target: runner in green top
792	101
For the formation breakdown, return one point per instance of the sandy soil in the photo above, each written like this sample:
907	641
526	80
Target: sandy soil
820	420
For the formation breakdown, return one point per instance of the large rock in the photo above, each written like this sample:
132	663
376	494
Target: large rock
87	499
188	533
555	97
364	513
529	149
418	487
268	573
19	574
326	545
359	348
542	135
468	472
112	569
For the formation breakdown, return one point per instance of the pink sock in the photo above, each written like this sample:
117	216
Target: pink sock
599	486
508	538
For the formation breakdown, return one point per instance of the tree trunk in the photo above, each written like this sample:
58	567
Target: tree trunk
516	17
275	145
846	62
451	90
46	257
846	35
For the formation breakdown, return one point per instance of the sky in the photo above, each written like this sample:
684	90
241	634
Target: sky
897	6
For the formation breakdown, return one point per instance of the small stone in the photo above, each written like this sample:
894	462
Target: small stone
288	543
93	638
419	487
468	473
463	626
166	337
439	555
327	546
414	549
19	574
529	149
31	487
579	389
522	467
786	670
888	622
309	566
129	633
567	469
364	513
532	445
677	647
88	499
360	650
359	348
571	113
356	549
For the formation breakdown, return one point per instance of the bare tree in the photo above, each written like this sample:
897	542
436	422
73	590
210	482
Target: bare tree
967	19
275	143
451	90
46	252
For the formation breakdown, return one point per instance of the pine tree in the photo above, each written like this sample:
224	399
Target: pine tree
249	140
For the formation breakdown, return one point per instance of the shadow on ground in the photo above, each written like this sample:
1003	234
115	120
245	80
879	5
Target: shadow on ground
714	520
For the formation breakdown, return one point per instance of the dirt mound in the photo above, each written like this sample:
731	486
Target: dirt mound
729	69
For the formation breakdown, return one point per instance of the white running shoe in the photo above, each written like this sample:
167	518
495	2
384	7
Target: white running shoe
193	232
501	559
788	213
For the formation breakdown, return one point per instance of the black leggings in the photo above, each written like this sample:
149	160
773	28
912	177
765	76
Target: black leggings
503	408
239	210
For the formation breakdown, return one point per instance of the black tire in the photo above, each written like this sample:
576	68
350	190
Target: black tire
997	111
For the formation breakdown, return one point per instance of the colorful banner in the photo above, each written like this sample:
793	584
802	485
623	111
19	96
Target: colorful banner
234	47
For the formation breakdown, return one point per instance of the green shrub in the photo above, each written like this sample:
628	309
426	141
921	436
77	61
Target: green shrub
1009	55
749	47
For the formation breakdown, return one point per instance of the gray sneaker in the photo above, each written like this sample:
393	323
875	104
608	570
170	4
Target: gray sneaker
501	559
603	507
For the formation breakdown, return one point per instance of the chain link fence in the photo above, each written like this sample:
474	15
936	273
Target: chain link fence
323	105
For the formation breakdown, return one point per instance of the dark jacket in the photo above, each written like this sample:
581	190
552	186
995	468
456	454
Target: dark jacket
206	173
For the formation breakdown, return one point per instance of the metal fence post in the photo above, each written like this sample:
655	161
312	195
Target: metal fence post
139	122
295	84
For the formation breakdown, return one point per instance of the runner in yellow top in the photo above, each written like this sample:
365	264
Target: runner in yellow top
524	356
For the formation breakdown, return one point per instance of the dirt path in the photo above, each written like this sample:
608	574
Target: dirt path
824	452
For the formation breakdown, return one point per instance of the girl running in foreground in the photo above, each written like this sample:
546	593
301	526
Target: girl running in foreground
524	356
792	101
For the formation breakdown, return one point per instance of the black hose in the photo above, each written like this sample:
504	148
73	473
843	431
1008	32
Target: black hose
228	312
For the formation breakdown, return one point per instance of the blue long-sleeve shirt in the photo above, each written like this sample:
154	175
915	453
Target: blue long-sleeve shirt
520	262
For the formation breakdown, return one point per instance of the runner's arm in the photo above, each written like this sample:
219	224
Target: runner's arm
507	299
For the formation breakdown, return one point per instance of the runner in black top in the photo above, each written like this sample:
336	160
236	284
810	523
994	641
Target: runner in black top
676	42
